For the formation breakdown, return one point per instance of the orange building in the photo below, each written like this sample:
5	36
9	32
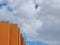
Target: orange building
10	34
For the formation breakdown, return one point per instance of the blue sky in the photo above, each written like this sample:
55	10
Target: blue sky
39	20
35	43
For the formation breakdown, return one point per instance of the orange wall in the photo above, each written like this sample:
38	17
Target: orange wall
22	41
13	34
10	34
19	37
4	33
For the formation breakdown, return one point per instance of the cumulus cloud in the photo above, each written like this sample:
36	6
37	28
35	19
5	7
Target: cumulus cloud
42	24
48	29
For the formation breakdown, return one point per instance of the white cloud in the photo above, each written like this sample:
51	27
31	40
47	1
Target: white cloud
42	24
49	17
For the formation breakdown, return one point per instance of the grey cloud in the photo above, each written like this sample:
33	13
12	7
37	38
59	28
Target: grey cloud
50	16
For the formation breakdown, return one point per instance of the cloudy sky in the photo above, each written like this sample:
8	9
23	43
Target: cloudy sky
39	20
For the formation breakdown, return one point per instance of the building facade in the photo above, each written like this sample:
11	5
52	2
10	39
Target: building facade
10	34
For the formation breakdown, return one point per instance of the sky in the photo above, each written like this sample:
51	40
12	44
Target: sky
39	20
